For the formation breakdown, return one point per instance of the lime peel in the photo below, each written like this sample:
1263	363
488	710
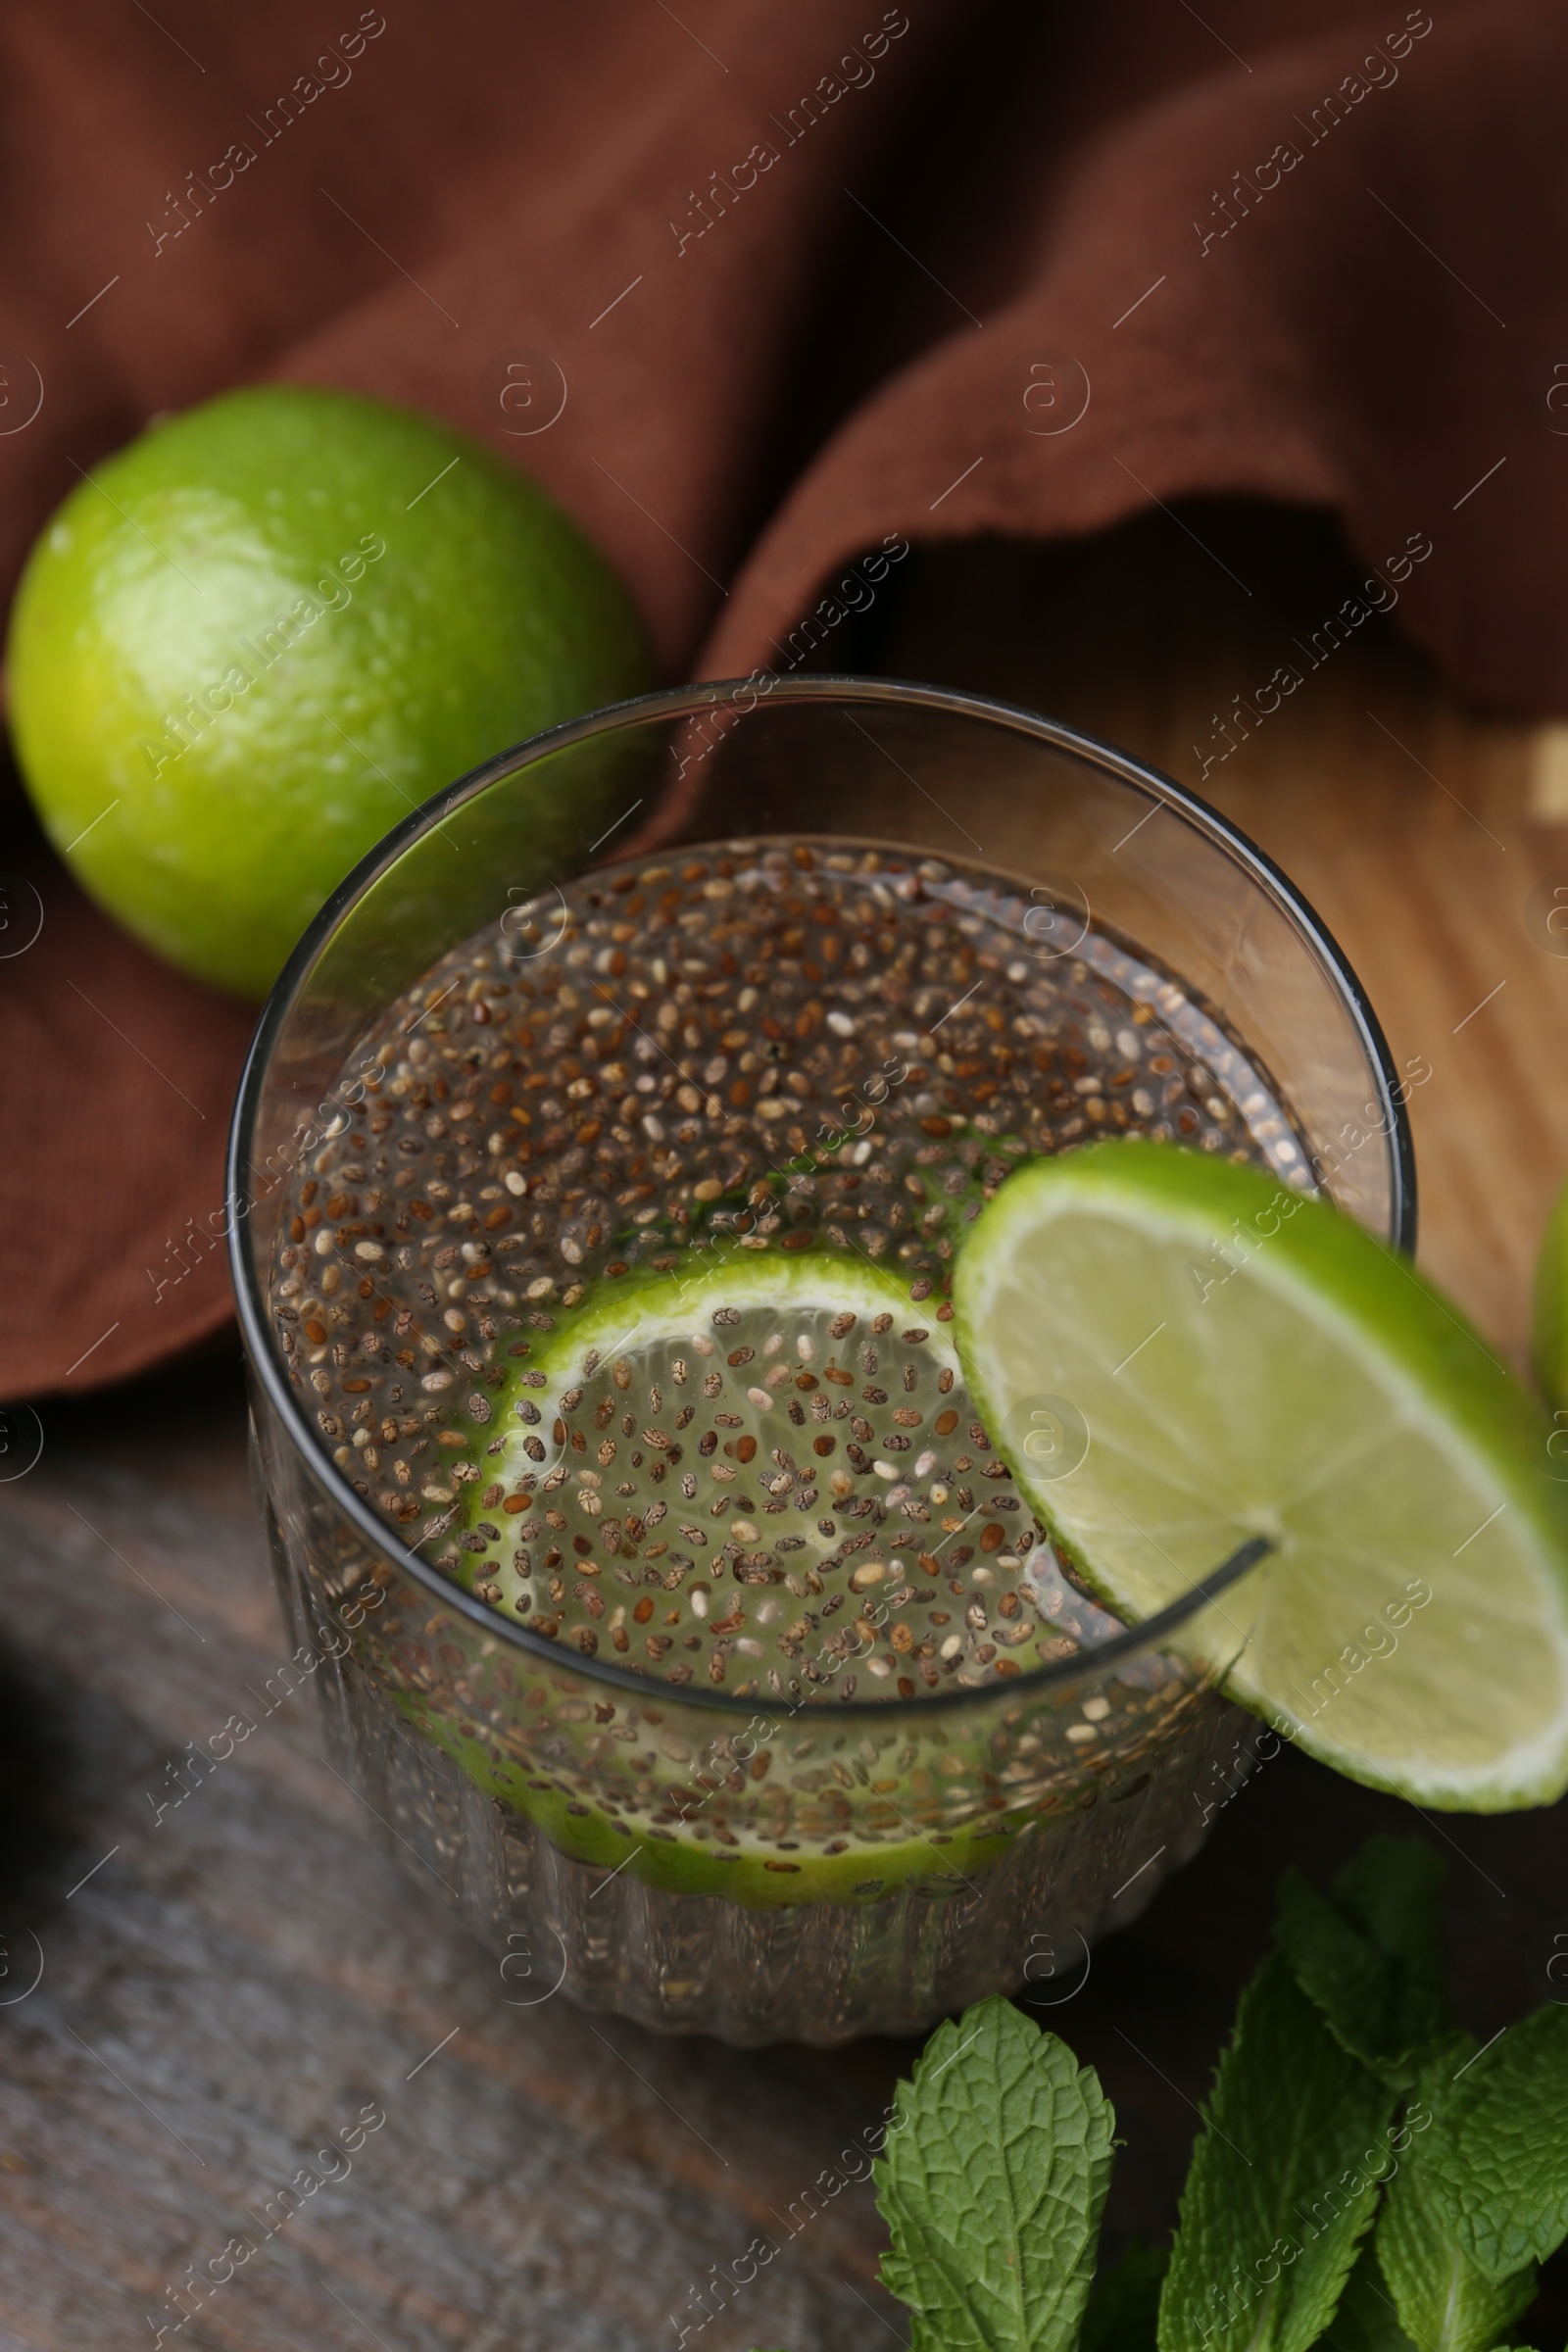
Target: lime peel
252	642
1413	1629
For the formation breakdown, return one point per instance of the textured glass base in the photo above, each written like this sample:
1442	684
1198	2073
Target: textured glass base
1107	1834
812	1971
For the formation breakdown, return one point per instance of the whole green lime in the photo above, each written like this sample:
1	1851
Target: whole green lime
247	646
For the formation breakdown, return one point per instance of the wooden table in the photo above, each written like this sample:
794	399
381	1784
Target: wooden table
227	1983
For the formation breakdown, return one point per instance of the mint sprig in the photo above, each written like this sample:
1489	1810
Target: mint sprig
1502	2161
1368	2317
1367	2180
992	2183
1441	2295
1283	2185
1369	1954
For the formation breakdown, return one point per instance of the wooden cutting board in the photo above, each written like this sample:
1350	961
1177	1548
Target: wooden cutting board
1419	828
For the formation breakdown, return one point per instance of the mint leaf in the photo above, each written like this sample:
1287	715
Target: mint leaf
1283	2181
1366	2320
992	2182
1124	2303
1502	2158
1443	2297
1370	1954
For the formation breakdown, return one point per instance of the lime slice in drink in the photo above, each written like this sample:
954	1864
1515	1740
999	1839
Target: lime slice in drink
749	1419
1175	1354
747	1477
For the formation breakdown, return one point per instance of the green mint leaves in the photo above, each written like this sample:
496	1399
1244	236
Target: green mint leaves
1501	2159
1443	2297
1368	2319
1369	1954
1283	2182
1367	2180
992	2182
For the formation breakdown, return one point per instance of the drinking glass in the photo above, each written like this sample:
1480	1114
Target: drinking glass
994	1832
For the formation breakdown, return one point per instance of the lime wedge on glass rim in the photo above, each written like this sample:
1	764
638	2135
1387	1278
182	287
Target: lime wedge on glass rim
1174	1354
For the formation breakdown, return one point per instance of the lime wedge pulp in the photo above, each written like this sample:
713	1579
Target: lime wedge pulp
1175	1354
676	1394
748	1476
685	1472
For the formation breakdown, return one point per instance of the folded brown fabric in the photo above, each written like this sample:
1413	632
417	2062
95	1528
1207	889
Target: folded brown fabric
816	276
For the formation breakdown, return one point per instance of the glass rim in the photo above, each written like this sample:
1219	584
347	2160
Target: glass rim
680	701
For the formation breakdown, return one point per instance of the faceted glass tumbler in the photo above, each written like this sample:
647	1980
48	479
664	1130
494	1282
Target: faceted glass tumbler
994	1832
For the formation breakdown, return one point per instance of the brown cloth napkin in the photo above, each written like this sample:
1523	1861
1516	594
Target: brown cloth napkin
810	272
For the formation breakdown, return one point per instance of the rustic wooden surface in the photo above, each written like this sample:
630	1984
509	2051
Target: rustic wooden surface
1418	828
223	1987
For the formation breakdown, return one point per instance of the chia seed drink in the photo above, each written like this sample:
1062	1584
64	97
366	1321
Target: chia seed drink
670	1600
623	1298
